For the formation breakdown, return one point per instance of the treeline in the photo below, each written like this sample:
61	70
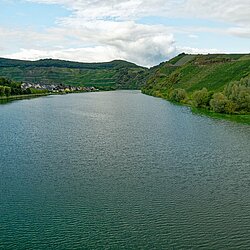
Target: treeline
234	99
11	88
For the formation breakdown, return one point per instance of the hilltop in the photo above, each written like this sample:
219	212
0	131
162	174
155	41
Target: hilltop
115	74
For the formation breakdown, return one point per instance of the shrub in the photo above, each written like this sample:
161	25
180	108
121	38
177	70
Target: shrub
2	93
230	107
7	91
177	95
239	93
218	103
201	98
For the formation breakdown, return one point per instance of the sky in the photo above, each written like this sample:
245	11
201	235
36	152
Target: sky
140	31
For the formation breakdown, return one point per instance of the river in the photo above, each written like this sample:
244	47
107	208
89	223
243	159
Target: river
121	170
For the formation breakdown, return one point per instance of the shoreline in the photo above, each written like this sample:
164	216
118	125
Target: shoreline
28	96
239	118
16	97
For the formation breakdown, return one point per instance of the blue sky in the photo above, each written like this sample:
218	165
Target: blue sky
144	32
37	15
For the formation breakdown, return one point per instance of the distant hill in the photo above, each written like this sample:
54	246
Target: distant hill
114	74
193	72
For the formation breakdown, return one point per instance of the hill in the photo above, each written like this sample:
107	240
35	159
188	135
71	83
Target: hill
193	72
114	74
222	78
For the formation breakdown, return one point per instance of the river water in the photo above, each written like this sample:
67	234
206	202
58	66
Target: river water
121	170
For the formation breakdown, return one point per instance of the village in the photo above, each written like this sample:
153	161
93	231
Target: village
57	88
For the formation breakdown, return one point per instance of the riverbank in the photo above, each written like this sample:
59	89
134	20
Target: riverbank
17	97
244	119
20	97
239	118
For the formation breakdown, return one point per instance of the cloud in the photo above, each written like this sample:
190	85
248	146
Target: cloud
231	11
143	44
192	36
103	40
87	54
116	9
239	31
228	11
103	30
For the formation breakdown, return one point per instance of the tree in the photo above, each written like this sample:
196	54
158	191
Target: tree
2	93
230	107
28	91
201	98
219	102
177	95
7	91
239	94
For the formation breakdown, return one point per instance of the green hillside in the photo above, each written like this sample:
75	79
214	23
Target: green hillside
115	74
186	78
195	72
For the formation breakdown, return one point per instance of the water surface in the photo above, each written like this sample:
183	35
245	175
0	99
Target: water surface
121	170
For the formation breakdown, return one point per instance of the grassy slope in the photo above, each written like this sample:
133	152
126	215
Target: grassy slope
73	73
195	72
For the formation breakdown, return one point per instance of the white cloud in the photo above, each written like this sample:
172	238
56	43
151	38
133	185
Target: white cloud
97	41
120	9
232	11
82	54
192	36
228	11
